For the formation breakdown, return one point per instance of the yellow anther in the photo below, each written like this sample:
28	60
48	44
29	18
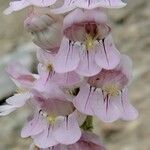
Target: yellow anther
89	42
111	89
51	119
48	67
20	90
71	91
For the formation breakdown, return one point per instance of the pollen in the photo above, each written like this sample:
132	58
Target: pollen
20	90
111	89
89	42
48	67
51	119
71	92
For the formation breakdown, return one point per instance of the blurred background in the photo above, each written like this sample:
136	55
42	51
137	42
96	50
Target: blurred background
131	32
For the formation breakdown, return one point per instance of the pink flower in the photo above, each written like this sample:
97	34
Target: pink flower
106	94
24	81
88	141
89	4
17	5
55	121
46	30
86	48
47	73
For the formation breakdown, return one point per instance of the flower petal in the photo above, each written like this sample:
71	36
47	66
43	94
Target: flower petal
128	112
33	127
86	4
66	79
92	102
67	58
48	90
20	75
125	66
84	101
18	100
92	138
107	56
68	6
67	130
43	3
105	109
16	69
45	57
87	66
21	4
16	6
6	109
46	138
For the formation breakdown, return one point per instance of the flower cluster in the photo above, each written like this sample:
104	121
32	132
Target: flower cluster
80	74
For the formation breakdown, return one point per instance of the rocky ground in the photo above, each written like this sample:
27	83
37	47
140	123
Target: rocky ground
131	31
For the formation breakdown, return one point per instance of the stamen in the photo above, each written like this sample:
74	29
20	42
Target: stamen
20	90
89	2
48	67
89	42
90	90
111	90
51	119
73	91
105	51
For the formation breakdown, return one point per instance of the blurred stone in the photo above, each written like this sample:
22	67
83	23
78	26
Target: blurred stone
12	32
10	128
120	16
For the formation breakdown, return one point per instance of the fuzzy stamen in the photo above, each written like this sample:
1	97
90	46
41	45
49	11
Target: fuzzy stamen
111	90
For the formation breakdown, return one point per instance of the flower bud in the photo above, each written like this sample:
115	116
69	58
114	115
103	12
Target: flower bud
46	31
37	23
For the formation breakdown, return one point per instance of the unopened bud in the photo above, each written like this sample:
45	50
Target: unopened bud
46	31
37	23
